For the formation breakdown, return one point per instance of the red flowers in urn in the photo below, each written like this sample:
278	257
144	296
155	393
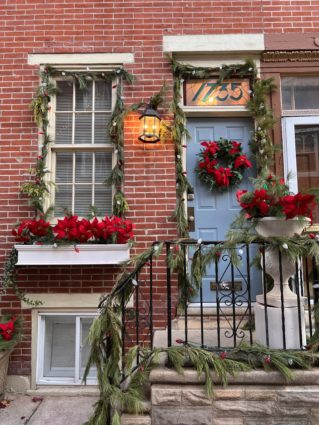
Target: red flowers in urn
71	229
222	163
273	199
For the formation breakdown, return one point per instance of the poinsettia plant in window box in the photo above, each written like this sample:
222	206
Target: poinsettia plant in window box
73	241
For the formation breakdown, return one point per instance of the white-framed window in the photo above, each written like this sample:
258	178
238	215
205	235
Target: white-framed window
81	156
62	348
301	153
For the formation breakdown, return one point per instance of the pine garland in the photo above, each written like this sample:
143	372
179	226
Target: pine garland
9	279
37	187
124	392
261	144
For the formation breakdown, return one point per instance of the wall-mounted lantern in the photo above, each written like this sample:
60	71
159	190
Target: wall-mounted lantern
149	126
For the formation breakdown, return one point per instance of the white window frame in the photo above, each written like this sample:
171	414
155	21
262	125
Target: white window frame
40	379
289	146
87	147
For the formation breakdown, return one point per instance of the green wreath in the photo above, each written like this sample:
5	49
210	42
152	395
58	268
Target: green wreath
221	163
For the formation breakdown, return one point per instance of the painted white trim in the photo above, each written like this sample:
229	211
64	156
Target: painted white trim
48	380
56	59
218	43
58	301
289	146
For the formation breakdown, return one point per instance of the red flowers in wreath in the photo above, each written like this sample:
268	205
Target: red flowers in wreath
222	163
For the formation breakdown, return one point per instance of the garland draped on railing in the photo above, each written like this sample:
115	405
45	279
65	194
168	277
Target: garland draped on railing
123	390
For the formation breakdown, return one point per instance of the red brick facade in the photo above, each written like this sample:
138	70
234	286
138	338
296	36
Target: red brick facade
92	26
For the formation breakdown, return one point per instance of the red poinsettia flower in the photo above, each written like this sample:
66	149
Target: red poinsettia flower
298	205
239	194
211	147
235	149
39	227
222	176
82	232
7	329
22	233
242	161
66	228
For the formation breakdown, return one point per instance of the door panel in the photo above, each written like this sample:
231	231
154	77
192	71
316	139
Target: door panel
215	211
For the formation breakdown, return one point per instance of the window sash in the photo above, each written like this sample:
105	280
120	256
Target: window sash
78	371
78	147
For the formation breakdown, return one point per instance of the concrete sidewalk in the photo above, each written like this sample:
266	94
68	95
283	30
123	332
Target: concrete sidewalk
54	410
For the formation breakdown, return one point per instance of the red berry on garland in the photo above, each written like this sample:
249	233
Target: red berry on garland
223	355
312	236
267	359
179	341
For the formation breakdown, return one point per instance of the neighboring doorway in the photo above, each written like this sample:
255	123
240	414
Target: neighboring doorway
214	212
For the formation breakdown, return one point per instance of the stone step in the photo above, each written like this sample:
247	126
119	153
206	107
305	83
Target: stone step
127	419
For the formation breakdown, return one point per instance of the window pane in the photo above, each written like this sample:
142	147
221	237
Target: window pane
63	128
103	166
85	348
63	199
300	93
307	151
64	99
59	346
83	167
63	172
83	199
100	128
83	128
103	200
83	98
103	95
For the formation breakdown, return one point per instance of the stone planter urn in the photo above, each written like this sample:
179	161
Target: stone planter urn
4	361
272	227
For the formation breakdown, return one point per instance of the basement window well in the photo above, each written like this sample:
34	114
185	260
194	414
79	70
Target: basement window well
63	349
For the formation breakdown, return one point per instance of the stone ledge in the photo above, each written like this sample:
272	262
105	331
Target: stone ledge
161	375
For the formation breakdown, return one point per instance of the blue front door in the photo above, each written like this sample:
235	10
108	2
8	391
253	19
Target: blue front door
215	211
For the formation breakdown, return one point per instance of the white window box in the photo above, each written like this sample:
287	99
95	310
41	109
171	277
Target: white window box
29	255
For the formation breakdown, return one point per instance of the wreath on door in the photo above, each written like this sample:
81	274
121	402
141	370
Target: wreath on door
221	163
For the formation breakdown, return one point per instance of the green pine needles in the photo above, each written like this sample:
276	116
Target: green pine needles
37	187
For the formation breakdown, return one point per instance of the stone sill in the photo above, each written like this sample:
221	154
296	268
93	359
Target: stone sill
162	375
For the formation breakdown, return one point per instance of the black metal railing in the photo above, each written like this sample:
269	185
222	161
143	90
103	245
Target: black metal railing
233	302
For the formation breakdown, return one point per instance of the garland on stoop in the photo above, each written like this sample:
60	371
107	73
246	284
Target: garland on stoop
125	394
38	186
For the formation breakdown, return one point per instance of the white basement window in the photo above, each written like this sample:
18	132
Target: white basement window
63	350
81	157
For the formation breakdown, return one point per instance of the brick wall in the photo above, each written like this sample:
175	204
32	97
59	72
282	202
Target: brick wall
82	26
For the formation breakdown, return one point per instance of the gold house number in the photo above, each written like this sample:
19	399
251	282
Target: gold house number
211	93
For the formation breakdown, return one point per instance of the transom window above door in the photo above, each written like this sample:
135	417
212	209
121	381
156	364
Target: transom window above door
81	156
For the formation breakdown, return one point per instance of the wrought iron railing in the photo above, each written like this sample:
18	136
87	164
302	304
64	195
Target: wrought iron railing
232	304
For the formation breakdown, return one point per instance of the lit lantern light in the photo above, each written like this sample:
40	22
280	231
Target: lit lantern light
149	126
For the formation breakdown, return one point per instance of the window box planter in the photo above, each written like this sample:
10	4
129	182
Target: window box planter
86	254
